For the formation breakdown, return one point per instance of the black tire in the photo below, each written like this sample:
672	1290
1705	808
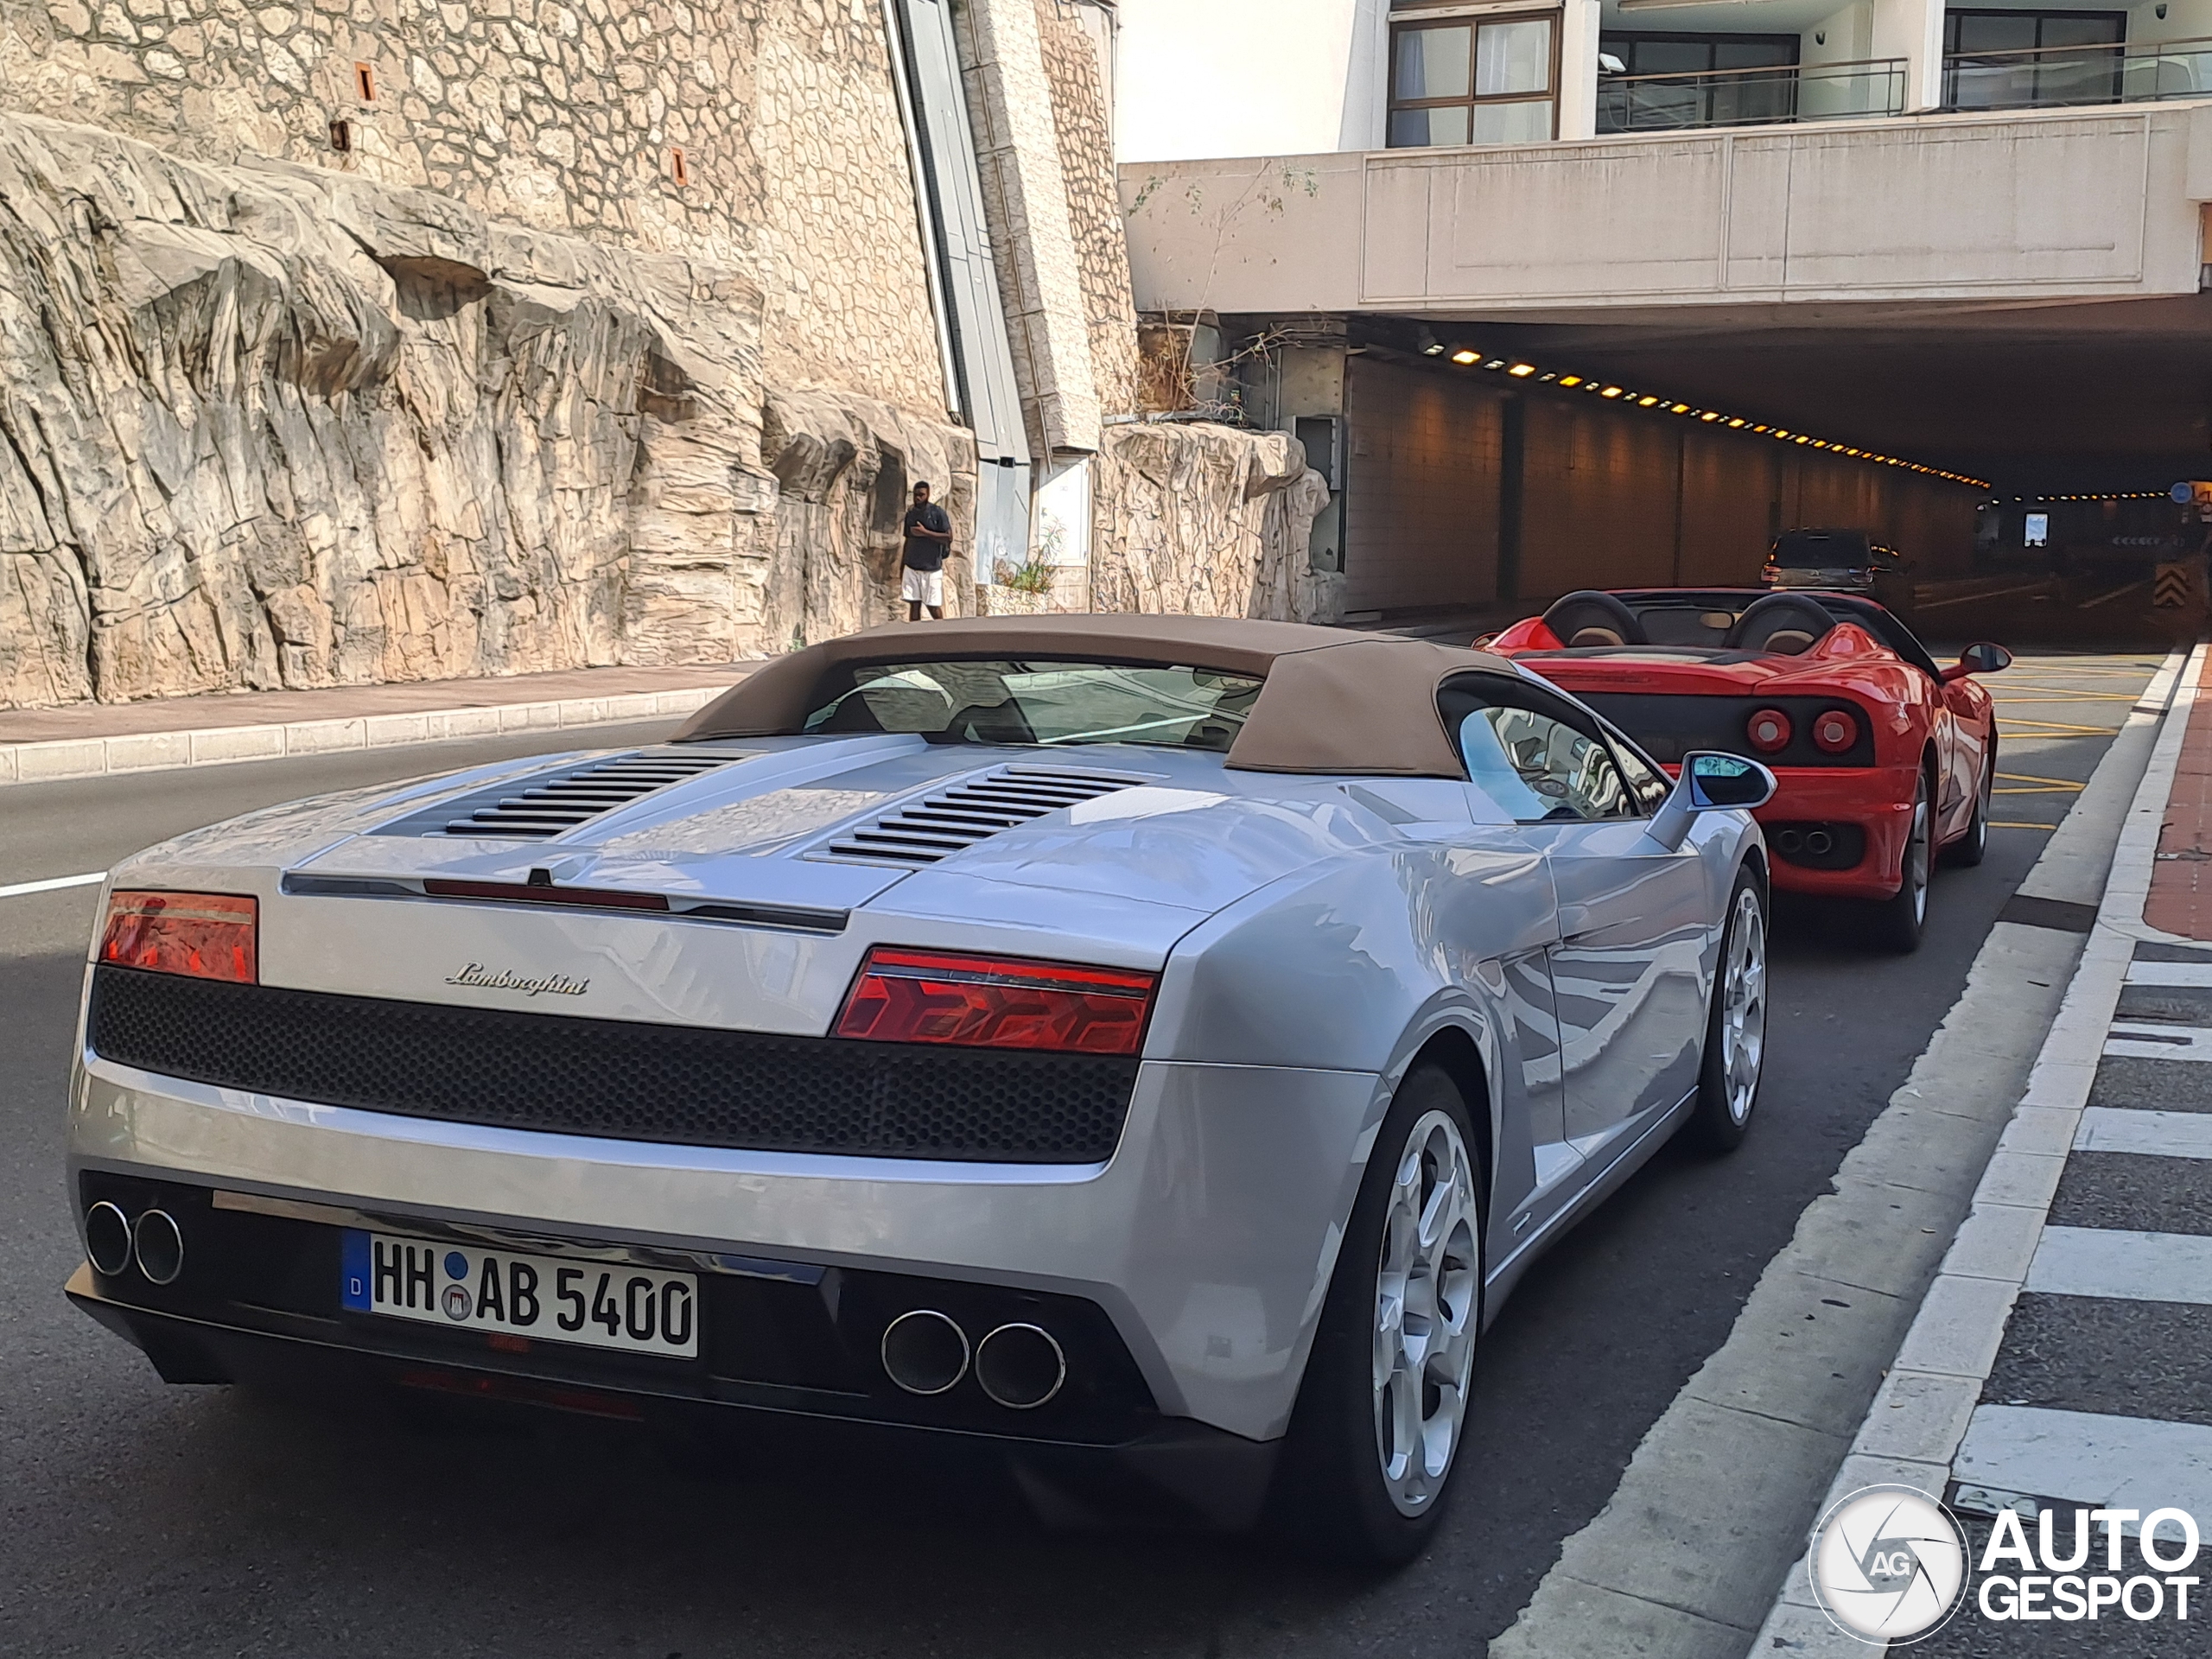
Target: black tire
1973	847
1901	920
1722	1116
1330	1495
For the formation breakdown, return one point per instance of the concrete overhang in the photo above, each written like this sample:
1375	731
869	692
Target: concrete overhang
1936	212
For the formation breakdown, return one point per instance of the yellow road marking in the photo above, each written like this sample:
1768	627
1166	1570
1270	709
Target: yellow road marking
2001	823
2059	693
2030	778
2053	727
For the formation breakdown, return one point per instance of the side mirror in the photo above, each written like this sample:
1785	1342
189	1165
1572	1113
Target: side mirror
1710	782
1983	658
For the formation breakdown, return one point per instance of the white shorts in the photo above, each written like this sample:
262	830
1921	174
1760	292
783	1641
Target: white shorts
927	586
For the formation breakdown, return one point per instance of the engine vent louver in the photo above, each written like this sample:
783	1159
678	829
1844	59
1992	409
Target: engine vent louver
954	819
539	808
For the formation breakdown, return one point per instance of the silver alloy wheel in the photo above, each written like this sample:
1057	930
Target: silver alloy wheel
1742	1006
1915	857
1425	1288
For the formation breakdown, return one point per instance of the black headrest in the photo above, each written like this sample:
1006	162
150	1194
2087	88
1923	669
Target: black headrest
1597	611
1779	613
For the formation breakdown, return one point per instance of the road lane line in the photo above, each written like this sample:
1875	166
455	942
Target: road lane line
24	889
2108	1261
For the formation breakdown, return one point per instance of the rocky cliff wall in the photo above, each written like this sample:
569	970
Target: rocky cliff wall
268	425
1208	521
761	135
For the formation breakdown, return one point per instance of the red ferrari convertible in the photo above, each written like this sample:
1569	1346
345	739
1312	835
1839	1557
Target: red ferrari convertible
1885	758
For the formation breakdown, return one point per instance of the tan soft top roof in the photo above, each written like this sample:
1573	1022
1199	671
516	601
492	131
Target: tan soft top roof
1335	700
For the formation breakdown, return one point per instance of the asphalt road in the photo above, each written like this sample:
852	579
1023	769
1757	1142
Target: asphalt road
140	1518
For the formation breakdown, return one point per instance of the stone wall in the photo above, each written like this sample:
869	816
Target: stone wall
559	115
1081	121
1208	521
272	425
576	258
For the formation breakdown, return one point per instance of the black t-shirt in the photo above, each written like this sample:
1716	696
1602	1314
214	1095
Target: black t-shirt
922	553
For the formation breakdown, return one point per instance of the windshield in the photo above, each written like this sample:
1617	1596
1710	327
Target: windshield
998	703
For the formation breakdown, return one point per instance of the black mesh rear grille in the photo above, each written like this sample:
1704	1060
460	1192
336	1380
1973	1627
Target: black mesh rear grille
1669	725
678	1084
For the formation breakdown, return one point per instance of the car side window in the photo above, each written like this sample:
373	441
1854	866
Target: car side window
1534	764
1645	782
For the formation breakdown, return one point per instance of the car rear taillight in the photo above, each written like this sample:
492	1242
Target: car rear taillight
1768	730
206	935
928	996
1834	731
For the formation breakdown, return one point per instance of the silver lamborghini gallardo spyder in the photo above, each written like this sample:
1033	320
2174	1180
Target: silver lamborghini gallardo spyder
1142	1051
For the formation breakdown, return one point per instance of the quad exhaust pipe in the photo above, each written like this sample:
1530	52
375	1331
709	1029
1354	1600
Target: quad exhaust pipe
155	1241
1018	1366
925	1352
107	1239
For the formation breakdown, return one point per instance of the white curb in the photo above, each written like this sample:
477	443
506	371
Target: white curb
1919	1417
38	763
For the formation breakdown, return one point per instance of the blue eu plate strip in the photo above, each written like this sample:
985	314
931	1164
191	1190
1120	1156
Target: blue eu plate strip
353	1272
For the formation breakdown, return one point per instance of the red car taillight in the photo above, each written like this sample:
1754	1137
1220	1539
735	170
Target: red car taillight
206	935
1835	731
928	996
1768	730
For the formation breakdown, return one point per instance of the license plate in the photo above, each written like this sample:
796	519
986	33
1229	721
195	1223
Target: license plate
593	1303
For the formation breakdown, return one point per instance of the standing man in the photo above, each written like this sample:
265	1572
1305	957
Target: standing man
929	539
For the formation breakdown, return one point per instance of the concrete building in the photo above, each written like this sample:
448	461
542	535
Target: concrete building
1610	291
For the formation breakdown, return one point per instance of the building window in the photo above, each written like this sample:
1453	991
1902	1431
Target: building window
1697	80
2011	59
1473	80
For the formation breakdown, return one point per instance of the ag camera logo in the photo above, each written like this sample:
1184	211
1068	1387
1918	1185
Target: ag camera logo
1888	1565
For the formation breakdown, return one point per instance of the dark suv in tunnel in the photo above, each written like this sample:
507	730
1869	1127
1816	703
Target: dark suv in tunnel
1840	560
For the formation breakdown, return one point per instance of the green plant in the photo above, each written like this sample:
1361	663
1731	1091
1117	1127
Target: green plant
1035	577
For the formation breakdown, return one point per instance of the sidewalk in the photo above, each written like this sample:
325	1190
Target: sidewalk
88	739
2063	1358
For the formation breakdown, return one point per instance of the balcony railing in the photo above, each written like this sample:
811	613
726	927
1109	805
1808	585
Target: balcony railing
1750	97
2058	75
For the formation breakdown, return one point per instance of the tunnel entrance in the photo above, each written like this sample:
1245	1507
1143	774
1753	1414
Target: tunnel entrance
2021	459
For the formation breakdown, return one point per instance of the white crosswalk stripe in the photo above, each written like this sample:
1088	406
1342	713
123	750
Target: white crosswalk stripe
2138	1267
2137	1463
2080	1405
2186	975
2137	1040
2156	1135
